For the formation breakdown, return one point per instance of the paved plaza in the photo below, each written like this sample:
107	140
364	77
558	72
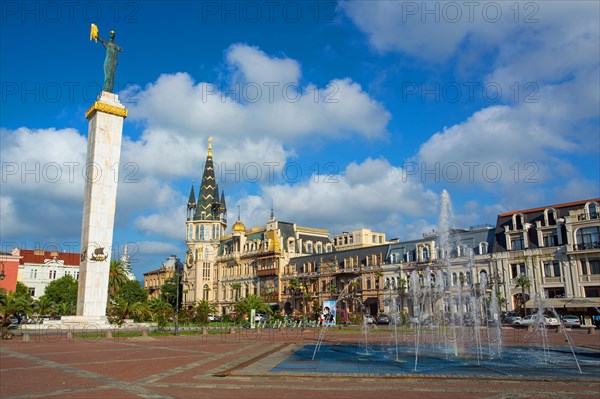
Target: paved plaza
239	366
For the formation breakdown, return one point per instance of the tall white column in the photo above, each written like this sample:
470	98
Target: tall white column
103	152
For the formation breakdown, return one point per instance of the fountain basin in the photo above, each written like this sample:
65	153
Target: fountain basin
516	361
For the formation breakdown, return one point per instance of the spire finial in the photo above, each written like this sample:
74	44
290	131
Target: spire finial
272	212
210	140
239	212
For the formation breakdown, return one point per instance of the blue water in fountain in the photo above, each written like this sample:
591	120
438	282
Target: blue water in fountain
516	361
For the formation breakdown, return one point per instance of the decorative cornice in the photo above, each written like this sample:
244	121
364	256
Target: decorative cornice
107	108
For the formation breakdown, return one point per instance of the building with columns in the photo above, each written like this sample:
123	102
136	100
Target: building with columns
558	248
252	261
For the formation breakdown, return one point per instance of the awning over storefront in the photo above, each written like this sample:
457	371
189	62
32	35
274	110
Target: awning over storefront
566	303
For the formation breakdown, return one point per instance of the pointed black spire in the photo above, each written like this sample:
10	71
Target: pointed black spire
192	200
206	196
223	205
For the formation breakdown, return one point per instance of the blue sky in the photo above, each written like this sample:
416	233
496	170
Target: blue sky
341	114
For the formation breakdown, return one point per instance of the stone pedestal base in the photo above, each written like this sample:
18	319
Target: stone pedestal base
81	323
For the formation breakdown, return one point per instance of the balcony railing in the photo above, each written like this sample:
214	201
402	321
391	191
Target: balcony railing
588	216
584	246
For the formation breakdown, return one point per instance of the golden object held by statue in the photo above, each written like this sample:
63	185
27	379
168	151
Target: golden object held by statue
94	33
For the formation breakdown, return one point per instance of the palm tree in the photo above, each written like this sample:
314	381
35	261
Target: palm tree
294	286
117	277
161	311
203	309
378	275
237	287
524	282
250	302
44	306
402	289
13	304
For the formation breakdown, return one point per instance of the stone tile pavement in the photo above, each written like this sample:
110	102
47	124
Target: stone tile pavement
237	366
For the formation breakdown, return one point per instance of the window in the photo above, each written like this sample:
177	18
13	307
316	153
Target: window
592	292
517	270
554	292
518	221
374	239
381	239
588	237
309	247
483	248
550	239
590	265
205	292
550	217
592	210
517	243
206	270
551	269
425	254
32	291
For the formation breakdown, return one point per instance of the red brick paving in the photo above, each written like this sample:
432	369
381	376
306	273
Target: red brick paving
183	367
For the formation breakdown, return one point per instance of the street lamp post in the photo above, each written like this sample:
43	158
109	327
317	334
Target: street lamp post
2	275
178	273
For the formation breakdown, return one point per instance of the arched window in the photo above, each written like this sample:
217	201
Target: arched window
205	291
309	247
483	248
592	210
368	283
550	216
454	278
425	254
469	278
518	221
483	277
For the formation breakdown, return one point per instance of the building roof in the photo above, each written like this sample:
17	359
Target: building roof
557	206
38	256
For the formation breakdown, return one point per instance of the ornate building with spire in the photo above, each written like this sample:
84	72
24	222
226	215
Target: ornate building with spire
205	226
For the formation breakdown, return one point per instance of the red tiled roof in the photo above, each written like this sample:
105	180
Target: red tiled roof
31	256
565	205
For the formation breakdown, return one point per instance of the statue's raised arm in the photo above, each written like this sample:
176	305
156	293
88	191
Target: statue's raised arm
110	62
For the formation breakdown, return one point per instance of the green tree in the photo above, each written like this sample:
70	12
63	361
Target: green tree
61	290
294	287
161	311
13	304
524	282
66	308
44	306
169	291
202	310
378	275
402	292
237	287
132	292
117	278
243	306
23	290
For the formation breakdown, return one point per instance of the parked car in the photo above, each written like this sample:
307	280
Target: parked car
533	319
513	319
571	321
212	317
383	319
369	319
259	317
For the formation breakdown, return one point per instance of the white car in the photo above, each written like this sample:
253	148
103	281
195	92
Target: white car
533	319
369	319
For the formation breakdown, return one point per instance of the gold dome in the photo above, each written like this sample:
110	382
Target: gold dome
239	227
